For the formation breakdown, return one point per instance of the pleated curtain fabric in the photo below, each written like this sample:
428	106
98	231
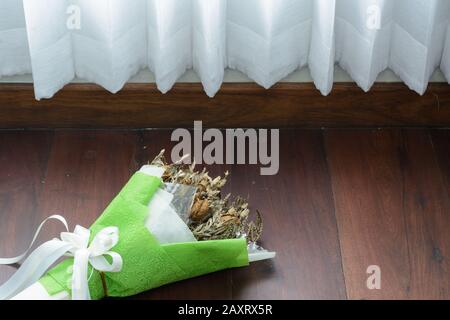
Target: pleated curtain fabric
108	41
14	51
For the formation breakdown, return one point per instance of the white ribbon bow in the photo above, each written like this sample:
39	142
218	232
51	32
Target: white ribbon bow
74	244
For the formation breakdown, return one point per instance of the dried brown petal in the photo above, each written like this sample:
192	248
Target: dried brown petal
200	210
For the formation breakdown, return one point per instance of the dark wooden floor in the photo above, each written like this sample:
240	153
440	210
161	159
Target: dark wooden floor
342	201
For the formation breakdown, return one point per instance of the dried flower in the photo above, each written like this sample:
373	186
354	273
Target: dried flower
212	217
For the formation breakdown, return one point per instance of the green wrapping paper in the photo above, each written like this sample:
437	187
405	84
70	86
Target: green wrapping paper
146	263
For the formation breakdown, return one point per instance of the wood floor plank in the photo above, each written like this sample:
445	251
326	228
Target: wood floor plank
427	218
299	223
365	174
23	162
85	171
211	286
391	195
441	143
389	208
298	201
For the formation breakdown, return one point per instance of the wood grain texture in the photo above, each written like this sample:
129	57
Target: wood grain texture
23	163
286	105
342	201
392	211
298	200
299	221
427	218
85	171
441	143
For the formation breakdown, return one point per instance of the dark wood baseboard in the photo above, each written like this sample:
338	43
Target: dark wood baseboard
236	105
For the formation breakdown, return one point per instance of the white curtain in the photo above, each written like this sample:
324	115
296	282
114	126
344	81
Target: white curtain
108	41
14	53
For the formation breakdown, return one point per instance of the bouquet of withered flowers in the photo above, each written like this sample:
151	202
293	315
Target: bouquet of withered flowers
167	224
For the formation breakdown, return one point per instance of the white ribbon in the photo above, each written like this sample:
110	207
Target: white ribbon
74	244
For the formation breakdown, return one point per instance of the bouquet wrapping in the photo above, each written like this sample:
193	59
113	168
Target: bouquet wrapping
139	243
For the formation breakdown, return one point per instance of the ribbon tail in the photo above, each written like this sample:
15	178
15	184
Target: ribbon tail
80	286
34	267
36	234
